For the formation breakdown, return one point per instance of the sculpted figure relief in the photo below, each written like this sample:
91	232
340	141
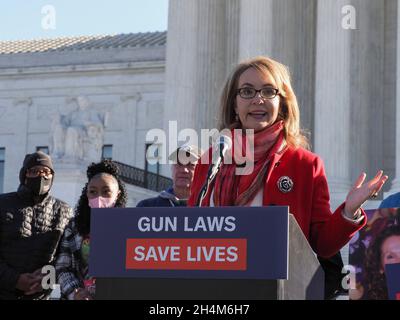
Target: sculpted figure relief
78	135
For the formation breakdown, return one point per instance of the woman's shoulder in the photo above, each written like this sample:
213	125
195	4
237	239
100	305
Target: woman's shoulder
302	158
302	154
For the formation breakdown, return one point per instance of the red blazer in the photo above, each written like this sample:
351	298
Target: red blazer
308	199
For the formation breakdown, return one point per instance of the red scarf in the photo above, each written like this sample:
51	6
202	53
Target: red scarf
231	189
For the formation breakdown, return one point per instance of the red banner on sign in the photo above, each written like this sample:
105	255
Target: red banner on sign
186	254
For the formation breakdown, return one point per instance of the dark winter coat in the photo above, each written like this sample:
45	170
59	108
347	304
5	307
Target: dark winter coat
29	235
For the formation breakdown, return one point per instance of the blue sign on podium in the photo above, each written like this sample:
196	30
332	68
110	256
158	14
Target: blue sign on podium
190	242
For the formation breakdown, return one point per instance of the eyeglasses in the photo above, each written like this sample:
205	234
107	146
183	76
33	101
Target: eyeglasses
250	93
35	172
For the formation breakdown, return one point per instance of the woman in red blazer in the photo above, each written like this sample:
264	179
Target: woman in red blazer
258	95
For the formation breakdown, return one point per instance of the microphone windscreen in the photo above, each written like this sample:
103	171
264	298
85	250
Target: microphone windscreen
226	141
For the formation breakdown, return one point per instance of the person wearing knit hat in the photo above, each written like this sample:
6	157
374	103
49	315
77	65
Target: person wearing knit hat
37	173
31	225
184	160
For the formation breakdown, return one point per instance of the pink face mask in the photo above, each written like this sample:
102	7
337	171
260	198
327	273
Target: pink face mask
101	202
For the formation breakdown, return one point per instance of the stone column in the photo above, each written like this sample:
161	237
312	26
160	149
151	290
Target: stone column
367	88
332	97
16	124
181	67
390	125
293	44
232	29
283	30
396	181
210	63
256	28
196	65
129	108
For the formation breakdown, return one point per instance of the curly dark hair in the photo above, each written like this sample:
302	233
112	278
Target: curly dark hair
375	280
82	210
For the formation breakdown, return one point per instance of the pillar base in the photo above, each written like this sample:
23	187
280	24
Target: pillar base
69	180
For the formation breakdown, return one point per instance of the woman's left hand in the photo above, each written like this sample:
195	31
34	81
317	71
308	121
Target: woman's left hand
361	192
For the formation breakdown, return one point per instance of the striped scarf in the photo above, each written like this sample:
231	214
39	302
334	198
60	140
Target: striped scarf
240	190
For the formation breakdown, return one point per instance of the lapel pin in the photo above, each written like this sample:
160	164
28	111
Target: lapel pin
285	184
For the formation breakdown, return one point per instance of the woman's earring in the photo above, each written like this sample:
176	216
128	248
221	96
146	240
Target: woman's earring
237	117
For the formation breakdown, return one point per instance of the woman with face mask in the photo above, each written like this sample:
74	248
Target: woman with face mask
104	189
383	250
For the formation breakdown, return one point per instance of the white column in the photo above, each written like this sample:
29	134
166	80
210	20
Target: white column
132	147
256	30
332	97
210	63
16	144
390	123
180	78
396	182
283	30
293	44
196	63
232	30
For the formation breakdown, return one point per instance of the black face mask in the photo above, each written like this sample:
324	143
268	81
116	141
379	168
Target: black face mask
39	185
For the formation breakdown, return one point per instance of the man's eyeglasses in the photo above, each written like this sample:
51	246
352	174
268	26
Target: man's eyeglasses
35	172
250	93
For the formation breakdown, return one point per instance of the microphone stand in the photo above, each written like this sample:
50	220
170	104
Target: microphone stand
212	172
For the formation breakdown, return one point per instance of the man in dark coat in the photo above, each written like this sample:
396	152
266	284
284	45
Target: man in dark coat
31	224
184	162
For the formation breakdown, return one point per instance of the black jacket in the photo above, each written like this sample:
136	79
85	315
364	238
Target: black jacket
29	236
166	198
333	268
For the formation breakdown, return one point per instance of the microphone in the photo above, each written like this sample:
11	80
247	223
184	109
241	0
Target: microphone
222	145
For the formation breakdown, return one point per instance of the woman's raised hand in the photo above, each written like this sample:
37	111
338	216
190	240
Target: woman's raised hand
361	192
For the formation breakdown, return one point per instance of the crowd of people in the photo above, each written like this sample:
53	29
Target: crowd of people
37	229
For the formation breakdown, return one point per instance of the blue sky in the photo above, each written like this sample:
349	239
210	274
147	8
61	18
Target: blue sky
23	19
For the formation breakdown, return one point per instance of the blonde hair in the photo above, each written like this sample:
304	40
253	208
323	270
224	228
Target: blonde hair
288	109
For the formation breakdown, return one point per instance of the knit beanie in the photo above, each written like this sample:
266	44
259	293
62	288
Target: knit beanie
38	158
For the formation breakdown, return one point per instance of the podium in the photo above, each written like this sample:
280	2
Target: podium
303	277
